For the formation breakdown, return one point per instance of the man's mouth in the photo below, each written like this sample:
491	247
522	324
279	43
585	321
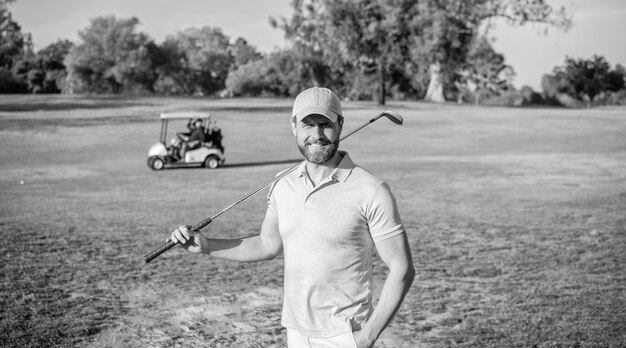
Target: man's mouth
317	144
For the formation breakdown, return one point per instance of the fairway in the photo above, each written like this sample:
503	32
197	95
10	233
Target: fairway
515	216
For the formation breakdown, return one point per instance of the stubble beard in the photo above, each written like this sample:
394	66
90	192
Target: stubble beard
319	155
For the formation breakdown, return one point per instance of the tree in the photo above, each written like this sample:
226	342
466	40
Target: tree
13	46
290	72
243	53
112	58
419	37
282	73
448	28
13	43
248	79
346	36
485	73
196	61
44	72
584	79
316	55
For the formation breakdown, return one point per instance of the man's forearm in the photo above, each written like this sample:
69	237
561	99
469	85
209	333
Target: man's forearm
242	249
396	286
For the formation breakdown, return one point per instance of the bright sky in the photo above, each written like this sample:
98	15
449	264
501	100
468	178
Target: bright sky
598	27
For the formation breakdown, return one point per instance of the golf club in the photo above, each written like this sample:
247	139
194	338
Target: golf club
391	115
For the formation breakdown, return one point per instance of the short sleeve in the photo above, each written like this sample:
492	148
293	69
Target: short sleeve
271	204
382	214
272	210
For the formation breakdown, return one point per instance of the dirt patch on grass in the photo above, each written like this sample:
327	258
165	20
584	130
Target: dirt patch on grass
214	321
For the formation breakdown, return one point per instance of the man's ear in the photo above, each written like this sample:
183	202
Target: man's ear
293	126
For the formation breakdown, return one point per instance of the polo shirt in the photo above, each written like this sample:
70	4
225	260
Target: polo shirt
328	234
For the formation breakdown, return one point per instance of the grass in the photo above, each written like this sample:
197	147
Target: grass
515	218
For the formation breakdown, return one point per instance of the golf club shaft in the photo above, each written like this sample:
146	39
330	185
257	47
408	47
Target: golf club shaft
169	244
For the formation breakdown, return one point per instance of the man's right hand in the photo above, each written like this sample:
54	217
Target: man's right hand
192	241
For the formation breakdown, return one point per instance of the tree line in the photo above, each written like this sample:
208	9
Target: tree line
435	50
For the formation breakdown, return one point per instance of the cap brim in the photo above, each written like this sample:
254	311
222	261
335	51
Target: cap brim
329	114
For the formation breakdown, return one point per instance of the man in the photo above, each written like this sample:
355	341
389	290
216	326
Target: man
190	127
326	217
194	139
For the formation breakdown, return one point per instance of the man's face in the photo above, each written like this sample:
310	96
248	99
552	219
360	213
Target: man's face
317	138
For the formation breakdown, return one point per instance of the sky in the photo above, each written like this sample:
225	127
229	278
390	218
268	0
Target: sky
598	27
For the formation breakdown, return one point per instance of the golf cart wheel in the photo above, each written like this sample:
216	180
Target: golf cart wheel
157	163
211	162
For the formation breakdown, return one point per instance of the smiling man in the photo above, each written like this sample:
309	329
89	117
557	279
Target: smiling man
327	217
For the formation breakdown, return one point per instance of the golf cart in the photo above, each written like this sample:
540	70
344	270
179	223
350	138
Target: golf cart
209	153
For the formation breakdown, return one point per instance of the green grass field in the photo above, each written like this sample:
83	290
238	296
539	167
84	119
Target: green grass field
516	218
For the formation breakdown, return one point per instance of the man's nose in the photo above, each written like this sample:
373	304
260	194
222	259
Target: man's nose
318	132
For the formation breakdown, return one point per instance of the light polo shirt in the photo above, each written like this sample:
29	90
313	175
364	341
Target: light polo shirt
328	234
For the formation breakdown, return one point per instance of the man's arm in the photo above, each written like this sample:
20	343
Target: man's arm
263	246
197	135
396	254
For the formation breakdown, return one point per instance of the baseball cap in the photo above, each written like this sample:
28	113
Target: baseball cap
317	100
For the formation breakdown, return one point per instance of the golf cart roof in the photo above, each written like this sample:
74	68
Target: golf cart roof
185	115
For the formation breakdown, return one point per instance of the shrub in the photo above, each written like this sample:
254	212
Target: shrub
583	79
9	84
618	98
508	98
249	79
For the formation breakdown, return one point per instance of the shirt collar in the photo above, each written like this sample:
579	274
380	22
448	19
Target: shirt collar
344	169
341	173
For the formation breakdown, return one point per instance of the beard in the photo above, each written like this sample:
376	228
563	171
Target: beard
319	155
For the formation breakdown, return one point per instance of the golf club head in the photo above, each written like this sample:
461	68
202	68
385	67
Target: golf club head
393	116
